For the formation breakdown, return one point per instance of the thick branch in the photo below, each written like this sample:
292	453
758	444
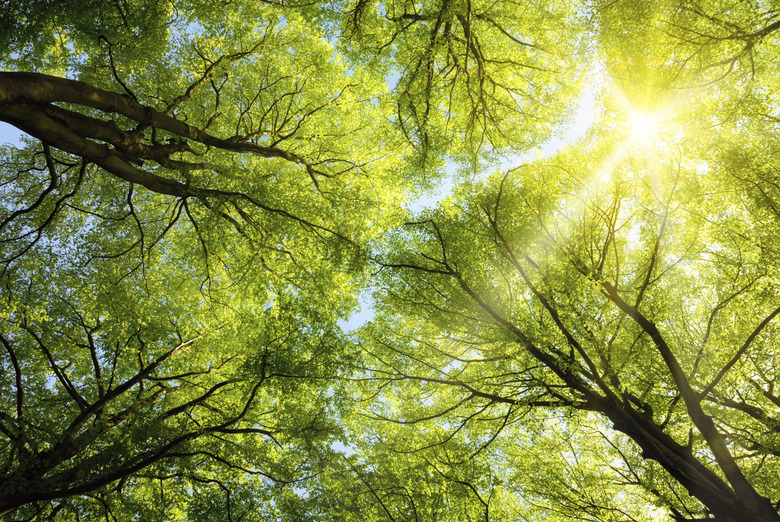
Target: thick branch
758	506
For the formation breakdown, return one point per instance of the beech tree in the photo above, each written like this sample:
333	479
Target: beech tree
181	232
591	335
206	187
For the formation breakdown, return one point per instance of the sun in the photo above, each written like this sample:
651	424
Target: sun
644	132
643	127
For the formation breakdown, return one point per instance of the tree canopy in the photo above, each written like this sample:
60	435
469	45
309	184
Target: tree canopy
578	327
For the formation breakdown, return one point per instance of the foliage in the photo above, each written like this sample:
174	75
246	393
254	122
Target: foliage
208	186
473	78
176	256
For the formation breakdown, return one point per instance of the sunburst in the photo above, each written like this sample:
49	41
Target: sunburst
644	127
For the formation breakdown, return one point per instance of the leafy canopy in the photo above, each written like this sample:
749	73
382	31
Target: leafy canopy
207	187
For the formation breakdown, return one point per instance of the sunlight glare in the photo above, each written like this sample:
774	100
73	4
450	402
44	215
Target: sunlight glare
643	128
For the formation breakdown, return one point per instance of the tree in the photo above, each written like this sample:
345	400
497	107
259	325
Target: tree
596	328
560	308
180	236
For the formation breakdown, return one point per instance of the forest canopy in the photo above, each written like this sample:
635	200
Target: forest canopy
557	217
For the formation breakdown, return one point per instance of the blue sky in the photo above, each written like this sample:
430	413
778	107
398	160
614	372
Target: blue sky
9	133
